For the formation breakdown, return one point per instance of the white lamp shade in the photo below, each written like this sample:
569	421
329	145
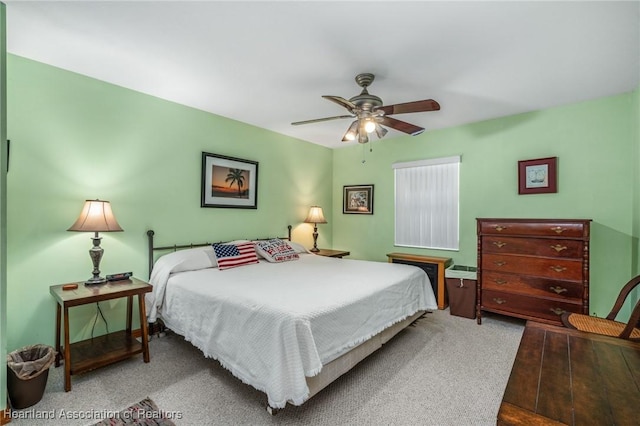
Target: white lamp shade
315	215
96	216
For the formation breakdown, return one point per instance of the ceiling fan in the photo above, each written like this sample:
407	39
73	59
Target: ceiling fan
370	114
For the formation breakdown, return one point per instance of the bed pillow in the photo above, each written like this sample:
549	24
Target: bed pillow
299	248
231	255
276	250
188	260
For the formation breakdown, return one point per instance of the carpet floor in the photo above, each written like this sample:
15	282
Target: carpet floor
445	370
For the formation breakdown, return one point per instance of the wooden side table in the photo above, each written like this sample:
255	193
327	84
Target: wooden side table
433	266
103	350
567	377
332	253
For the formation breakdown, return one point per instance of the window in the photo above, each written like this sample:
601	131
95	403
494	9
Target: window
426	204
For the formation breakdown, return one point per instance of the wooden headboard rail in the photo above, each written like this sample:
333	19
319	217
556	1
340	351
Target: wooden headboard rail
176	247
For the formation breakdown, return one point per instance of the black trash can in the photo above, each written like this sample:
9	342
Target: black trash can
461	288
27	373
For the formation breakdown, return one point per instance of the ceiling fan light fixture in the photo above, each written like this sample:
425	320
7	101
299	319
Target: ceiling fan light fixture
369	125
369	113
380	131
351	132
363	137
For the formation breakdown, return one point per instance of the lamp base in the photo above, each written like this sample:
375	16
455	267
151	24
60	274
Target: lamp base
315	248
96	254
95	280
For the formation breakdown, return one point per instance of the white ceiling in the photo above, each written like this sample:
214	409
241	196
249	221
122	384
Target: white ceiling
268	63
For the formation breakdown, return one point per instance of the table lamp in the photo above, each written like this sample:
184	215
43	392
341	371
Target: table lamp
96	216
315	216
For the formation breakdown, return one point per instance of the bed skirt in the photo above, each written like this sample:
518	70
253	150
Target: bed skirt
336	368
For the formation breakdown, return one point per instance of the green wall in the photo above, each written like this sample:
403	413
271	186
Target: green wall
75	138
596	144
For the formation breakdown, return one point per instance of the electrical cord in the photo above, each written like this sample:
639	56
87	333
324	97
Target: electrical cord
95	321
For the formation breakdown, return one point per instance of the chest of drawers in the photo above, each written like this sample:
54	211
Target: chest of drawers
534	269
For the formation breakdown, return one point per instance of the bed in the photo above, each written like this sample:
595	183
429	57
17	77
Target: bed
289	327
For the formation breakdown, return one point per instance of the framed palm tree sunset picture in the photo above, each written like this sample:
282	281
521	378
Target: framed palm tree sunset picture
229	182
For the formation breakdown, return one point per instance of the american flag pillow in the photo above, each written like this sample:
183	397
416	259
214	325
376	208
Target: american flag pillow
236	254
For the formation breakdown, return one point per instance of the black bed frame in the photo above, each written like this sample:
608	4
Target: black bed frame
176	247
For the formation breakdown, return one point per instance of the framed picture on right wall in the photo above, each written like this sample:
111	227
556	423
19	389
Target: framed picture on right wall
357	199
538	176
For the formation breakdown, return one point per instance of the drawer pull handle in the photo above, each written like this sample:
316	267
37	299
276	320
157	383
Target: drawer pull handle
558	229
558	268
499	244
558	248
500	281
558	290
499	301
557	311
499	227
500	263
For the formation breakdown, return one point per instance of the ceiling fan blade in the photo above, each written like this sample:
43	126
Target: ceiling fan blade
342	102
318	120
401	126
417	106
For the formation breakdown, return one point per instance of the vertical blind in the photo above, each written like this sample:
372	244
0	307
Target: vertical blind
426	203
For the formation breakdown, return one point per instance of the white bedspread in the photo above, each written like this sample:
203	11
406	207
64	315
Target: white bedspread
272	324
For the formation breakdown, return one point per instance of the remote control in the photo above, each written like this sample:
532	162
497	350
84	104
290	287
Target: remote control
119	277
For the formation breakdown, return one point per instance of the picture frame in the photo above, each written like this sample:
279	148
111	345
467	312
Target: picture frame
538	176
228	182
357	199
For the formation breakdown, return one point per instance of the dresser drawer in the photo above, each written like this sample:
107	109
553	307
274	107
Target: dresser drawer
533	246
533	286
557	269
526	305
556	229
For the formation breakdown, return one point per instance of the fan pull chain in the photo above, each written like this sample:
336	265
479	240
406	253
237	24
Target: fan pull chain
364	151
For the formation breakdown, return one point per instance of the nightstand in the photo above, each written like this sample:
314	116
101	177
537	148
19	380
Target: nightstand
332	253
97	352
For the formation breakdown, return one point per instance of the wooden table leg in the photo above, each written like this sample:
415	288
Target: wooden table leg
67	352
143	327
58	352
129	313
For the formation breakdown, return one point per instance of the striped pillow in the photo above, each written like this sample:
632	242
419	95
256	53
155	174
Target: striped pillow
237	254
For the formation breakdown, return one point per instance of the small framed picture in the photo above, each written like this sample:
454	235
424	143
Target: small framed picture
229	182
537	176
357	199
